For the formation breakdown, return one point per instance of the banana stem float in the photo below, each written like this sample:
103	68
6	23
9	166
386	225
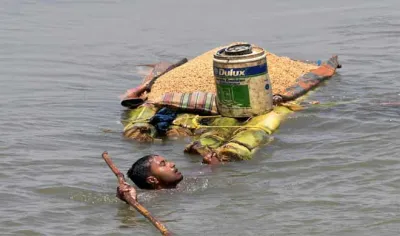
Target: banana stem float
127	193
136	123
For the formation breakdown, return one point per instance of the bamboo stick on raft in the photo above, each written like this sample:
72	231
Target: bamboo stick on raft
127	193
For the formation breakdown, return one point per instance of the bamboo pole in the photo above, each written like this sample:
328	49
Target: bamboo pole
127	193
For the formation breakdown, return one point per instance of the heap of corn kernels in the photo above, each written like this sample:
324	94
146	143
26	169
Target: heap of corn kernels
197	75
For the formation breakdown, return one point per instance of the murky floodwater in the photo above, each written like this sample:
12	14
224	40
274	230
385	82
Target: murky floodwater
331	170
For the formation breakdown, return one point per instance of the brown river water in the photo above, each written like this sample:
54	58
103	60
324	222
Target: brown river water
331	170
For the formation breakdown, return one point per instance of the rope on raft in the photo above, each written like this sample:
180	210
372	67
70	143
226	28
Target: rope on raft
197	125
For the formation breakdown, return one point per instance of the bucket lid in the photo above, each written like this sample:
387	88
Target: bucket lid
236	53
239	49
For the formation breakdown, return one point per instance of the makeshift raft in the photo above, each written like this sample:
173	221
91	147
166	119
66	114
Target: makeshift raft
176	113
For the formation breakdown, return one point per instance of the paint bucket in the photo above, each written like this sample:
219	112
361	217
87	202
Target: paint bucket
242	81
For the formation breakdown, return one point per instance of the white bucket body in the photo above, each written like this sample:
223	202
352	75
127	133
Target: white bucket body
242	81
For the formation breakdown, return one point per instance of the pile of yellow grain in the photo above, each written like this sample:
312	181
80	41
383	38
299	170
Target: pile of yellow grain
197	75
283	71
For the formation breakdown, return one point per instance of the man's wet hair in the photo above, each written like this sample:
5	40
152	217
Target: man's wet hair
139	172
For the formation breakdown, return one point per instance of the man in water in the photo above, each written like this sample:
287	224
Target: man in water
150	172
154	172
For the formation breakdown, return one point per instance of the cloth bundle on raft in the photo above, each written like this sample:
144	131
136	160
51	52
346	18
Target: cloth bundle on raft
188	91
195	102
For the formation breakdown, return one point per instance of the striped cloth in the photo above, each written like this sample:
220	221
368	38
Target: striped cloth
196	102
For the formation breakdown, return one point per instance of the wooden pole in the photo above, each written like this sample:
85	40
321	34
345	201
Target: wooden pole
127	193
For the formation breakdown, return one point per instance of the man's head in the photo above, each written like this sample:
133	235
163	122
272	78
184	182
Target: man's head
154	172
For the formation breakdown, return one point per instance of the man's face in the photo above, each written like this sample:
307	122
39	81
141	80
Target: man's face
165	172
